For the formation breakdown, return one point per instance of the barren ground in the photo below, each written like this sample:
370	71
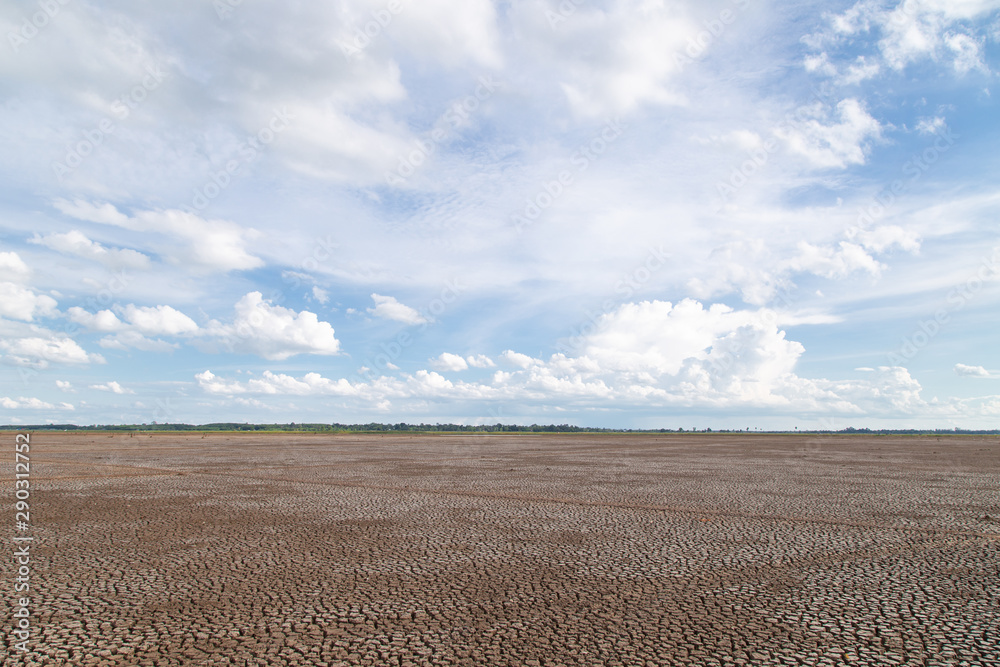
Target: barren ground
233	549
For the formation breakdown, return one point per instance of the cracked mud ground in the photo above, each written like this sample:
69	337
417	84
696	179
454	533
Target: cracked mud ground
288	549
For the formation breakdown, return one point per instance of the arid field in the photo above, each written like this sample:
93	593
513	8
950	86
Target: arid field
707	549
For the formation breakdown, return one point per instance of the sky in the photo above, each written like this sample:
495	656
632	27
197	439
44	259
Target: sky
627	213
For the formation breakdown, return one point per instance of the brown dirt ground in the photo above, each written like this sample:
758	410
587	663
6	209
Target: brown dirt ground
462	549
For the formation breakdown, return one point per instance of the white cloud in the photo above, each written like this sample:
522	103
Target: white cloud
212	245
389	308
12	266
480	361
102	320
837	262
274	332
320	294
103	213
76	243
975	371
860	70
133	339
22	403
65	386
449	362
819	63
518	359
158	320
649	354
611	60
40	352
967	53
746	265
112	387
886	237
136	323
826	143
913	30
933	125
655	338
21	303
276	383
449	32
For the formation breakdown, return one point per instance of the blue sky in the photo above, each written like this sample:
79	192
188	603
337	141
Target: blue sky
719	214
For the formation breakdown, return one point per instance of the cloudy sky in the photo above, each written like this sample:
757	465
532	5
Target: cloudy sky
627	213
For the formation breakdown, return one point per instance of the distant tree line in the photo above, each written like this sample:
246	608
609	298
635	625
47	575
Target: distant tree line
444	428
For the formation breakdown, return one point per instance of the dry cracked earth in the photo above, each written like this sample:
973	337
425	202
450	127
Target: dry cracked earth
233	549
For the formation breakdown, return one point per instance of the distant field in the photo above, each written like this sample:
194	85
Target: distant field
527	549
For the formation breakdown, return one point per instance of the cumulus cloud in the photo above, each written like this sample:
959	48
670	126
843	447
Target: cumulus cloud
479	361
320	295
829	140
76	243
102	320
40	352
135	325
932	125
518	359
22	303
651	339
647	354
12	266
860	70
449	362
22	403
208	244
274	332
837	262
65	386
158	320
133	339
913	30
112	387
883	238
276	383
966	51
759	270
975	371
389	308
